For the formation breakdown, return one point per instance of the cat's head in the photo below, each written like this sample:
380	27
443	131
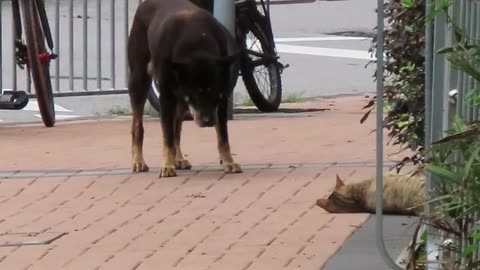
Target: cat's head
341	200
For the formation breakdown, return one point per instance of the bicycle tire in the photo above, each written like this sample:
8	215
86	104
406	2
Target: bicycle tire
271	101
40	70
154	98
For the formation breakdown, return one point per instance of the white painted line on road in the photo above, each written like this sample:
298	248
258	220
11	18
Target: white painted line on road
329	38
330	52
33	106
61	116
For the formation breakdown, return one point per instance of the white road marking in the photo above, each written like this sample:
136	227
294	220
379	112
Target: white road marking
61	116
33	106
330	52
318	51
326	38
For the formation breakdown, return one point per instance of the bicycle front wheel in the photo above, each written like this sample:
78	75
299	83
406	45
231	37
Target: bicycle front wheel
260	69
38	62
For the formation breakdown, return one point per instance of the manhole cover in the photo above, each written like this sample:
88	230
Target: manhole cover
29	238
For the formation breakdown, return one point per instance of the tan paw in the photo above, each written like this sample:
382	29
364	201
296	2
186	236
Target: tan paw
231	168
139	166
183	165
167	172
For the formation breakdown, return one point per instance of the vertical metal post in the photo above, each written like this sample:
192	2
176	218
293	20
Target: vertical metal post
429	55
85	45
476	36
70	33
99	44
379	140
57	45
1	51
224	11
436	93
126	40
112	42
14	60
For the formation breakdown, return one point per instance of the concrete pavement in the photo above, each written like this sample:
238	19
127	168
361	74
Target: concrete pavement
69	200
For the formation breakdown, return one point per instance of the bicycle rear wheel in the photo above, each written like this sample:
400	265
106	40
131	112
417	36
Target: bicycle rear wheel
154	97
38	62
260	69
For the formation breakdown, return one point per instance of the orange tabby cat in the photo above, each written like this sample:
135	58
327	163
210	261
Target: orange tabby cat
402	195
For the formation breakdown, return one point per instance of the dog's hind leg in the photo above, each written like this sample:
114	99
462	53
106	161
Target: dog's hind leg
226	159
138	86
180	162
137	101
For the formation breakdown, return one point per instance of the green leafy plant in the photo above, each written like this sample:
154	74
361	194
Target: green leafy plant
404	43
454	163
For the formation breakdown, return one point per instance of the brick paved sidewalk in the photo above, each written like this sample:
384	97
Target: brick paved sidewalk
72	185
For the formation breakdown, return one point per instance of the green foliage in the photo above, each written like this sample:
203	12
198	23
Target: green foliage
404	43
454	162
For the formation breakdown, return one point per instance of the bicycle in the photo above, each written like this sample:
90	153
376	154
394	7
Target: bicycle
13	100
34	55
252	25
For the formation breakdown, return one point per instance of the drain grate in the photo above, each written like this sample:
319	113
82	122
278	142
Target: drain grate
29	238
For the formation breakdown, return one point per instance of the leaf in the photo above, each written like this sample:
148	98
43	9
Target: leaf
473	157
443	173
459	135
459	35
365	116
469	250
446	50
407	3
370	104
475	235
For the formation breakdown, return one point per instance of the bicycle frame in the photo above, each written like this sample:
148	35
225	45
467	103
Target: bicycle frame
21	53
248	13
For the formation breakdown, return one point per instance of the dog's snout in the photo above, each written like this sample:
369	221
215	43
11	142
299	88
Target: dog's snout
207	121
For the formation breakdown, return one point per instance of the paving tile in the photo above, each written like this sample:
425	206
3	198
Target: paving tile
264	218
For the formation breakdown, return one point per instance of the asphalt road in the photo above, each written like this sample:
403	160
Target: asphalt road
325	43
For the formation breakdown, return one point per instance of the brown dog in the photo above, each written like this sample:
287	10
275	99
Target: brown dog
187	52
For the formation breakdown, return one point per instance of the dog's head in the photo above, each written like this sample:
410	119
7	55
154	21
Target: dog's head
202	83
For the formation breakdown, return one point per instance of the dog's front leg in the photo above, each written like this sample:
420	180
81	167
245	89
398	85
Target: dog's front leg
226	159
180	162
139	164
168	109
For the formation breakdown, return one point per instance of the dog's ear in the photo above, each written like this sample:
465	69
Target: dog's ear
179	67
179	63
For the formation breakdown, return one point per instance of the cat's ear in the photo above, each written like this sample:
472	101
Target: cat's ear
339	182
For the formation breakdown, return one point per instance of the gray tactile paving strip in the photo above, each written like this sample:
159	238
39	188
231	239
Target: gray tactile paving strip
122	171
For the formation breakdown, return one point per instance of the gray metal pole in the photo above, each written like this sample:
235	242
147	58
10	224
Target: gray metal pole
70	49
1	64
99	45
57	45
224	11
112	43
379	140
85	45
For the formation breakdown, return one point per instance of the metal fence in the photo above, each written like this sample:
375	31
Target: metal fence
90	38
447	89
445	92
